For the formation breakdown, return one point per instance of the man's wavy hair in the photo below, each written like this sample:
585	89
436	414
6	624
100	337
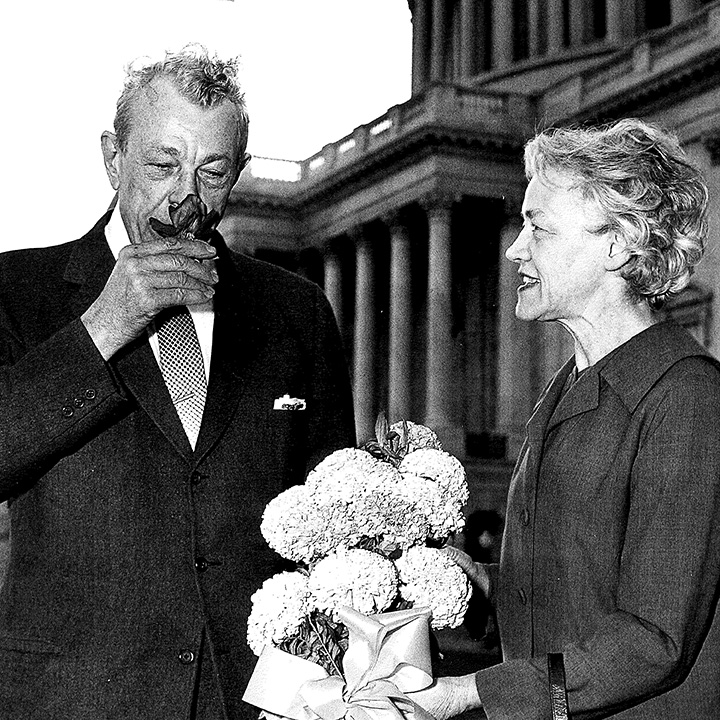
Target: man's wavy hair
202	79
650	193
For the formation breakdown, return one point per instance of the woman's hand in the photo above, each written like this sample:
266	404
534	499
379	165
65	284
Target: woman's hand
448	697
476	572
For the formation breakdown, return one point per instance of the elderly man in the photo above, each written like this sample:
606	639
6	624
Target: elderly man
611	546
158	391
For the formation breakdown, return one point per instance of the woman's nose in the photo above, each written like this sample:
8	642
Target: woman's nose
518	251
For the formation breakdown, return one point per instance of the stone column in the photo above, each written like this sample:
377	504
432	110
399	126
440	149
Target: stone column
502	34
421	41
334	284
401	321
682	9
439	377
555	27
533	28
439	40
615	27
578	23
468	35
518	352
364	342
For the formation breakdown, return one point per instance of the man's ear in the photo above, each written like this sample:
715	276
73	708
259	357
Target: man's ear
111	153
618	255
242	164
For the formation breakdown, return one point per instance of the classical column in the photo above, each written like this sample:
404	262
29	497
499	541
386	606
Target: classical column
421	40
555	27
439	40
401	321
578	23
682	9
615	27
502	34
439	377
364	343
333	284
518	382
533	28
468	35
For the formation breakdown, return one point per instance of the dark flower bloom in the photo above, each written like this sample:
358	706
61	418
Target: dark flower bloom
190	217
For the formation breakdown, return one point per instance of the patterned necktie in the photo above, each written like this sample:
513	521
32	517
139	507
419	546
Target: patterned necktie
182	367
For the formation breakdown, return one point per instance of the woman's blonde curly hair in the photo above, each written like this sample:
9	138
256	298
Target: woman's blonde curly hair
650	193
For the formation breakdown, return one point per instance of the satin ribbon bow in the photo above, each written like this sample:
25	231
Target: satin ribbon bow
388	656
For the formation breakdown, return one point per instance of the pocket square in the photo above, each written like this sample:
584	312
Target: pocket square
287	403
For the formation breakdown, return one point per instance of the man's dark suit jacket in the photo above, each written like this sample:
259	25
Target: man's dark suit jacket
127	546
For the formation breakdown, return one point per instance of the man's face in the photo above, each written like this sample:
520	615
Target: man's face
174	148
561	256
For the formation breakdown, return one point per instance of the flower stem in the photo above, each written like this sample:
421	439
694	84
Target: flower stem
324	647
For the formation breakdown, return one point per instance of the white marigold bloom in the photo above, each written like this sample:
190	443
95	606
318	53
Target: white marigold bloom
443	468
418	436
297	529
430	578
347	474
442	518
393	512
357	578
278	609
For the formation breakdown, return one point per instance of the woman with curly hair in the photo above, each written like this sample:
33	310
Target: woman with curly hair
612	537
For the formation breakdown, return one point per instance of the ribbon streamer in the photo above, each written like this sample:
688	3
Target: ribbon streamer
388	656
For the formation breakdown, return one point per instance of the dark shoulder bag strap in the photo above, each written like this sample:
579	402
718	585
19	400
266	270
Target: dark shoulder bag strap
558	694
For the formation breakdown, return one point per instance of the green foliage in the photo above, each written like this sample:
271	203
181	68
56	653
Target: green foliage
320	640
389	445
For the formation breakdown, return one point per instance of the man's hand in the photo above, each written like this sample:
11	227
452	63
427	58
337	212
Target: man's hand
448	697
147	278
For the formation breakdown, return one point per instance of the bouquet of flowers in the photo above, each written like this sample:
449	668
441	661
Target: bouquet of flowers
364	532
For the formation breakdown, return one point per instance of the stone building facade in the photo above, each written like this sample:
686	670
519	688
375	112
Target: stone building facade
405	221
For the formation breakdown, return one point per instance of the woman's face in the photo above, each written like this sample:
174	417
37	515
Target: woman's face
561	252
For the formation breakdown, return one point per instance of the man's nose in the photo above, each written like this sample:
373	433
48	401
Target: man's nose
186	185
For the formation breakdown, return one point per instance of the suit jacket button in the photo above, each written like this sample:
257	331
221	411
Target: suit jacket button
186	657
195	477
78	402
523	596
201	564
90	394
67	411
525	517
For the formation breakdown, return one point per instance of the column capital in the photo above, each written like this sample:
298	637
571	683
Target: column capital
438	201
396	218
358	234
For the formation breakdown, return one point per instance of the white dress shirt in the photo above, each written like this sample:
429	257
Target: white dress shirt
202	315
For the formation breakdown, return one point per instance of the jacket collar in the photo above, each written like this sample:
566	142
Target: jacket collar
631	370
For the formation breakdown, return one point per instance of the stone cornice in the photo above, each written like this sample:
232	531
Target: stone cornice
410	148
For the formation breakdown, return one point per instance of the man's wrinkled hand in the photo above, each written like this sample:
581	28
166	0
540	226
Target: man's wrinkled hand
149	277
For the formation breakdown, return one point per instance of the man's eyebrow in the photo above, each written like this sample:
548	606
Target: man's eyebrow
165	150
214	157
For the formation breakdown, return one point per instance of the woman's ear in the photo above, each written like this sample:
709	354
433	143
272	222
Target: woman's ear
618	254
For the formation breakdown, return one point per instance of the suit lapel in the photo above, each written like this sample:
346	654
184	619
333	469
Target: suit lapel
238	336
89	267
582	398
